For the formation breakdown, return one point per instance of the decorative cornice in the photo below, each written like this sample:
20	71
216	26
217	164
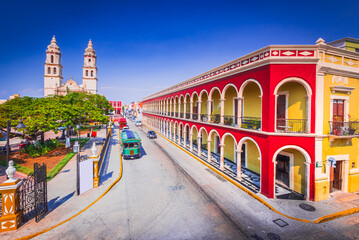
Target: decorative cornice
276	53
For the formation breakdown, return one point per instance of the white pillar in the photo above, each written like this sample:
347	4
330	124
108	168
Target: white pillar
184	137
199	110
199	145
222	110
191	110
209	104
209	156
184	108
239	164
221	164
190	142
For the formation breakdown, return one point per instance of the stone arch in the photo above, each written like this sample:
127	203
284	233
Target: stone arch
287	151
245	83
226	88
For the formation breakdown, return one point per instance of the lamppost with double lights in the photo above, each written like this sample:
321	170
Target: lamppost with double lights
21	125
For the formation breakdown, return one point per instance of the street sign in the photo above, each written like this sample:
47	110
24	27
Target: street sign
331	162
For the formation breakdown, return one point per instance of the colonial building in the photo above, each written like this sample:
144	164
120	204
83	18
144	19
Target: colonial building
284	117
53	80
117	106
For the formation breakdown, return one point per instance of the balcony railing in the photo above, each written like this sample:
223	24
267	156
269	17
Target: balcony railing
215	118
176	114
229	120
292	125
204	117
251	123
344	128
172	114
181	115
188	115
195	116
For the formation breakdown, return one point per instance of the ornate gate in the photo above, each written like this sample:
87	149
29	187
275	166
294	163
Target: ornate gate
33	194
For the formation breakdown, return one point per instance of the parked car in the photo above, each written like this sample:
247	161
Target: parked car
151	134
138	123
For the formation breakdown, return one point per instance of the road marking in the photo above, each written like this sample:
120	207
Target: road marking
83	210
259	199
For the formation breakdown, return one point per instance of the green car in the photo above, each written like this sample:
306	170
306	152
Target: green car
130	144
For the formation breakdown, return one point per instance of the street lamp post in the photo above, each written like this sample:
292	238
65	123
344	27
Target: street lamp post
21	125
78	158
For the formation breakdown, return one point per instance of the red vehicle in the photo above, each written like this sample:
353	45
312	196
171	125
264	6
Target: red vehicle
123	123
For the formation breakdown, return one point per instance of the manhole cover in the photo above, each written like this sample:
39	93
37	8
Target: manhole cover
307	207
273	236
280	222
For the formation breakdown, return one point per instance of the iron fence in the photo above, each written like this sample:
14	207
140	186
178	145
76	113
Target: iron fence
215	118
229	120
204	117
195	116
188	115
292	125
181	115
251	123
343	128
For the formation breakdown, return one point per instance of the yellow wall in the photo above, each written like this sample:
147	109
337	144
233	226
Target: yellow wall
204	137
228	103
253	162
188	105
216	103
204	103
252	101
299	171
296	100
229	148
341	146
321	190
338	58
353	182
194	136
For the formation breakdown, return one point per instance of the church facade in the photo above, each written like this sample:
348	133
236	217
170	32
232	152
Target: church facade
53	80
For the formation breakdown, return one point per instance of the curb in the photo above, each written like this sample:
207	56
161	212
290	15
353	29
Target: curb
83	210
323	219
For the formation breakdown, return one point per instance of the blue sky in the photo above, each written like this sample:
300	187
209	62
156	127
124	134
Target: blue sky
145	46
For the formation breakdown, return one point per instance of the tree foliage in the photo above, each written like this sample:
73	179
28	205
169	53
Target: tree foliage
44	114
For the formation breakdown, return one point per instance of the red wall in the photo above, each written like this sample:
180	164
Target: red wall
268	76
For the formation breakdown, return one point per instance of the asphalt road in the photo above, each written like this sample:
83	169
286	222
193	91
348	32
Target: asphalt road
166	194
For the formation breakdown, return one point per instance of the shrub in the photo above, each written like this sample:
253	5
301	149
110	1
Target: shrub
41	148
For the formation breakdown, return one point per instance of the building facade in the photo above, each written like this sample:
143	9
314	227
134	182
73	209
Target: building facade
287	115
53	80
117	105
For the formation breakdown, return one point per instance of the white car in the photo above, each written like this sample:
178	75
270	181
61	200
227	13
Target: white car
138	123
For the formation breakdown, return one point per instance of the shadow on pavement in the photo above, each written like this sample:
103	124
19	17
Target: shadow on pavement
143	152
55	202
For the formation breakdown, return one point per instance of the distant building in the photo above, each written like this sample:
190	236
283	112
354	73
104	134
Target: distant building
10	98
117	105
350	44
53	80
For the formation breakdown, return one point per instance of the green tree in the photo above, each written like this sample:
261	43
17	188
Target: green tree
44	114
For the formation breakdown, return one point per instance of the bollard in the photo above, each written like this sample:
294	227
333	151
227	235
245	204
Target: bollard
11	212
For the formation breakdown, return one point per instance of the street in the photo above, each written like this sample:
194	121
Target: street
166	194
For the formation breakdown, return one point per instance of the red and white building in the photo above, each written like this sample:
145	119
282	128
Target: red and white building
263	117
117	106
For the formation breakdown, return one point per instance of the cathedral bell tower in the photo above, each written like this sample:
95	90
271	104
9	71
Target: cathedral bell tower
53	69
89	75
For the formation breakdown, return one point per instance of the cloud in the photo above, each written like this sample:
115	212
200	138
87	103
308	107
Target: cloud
32	92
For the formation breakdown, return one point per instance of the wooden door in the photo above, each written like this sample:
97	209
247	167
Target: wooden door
338	116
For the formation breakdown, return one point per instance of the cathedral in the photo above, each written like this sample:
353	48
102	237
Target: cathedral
53	80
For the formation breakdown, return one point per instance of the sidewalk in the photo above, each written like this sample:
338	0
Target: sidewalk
299	209
63	202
